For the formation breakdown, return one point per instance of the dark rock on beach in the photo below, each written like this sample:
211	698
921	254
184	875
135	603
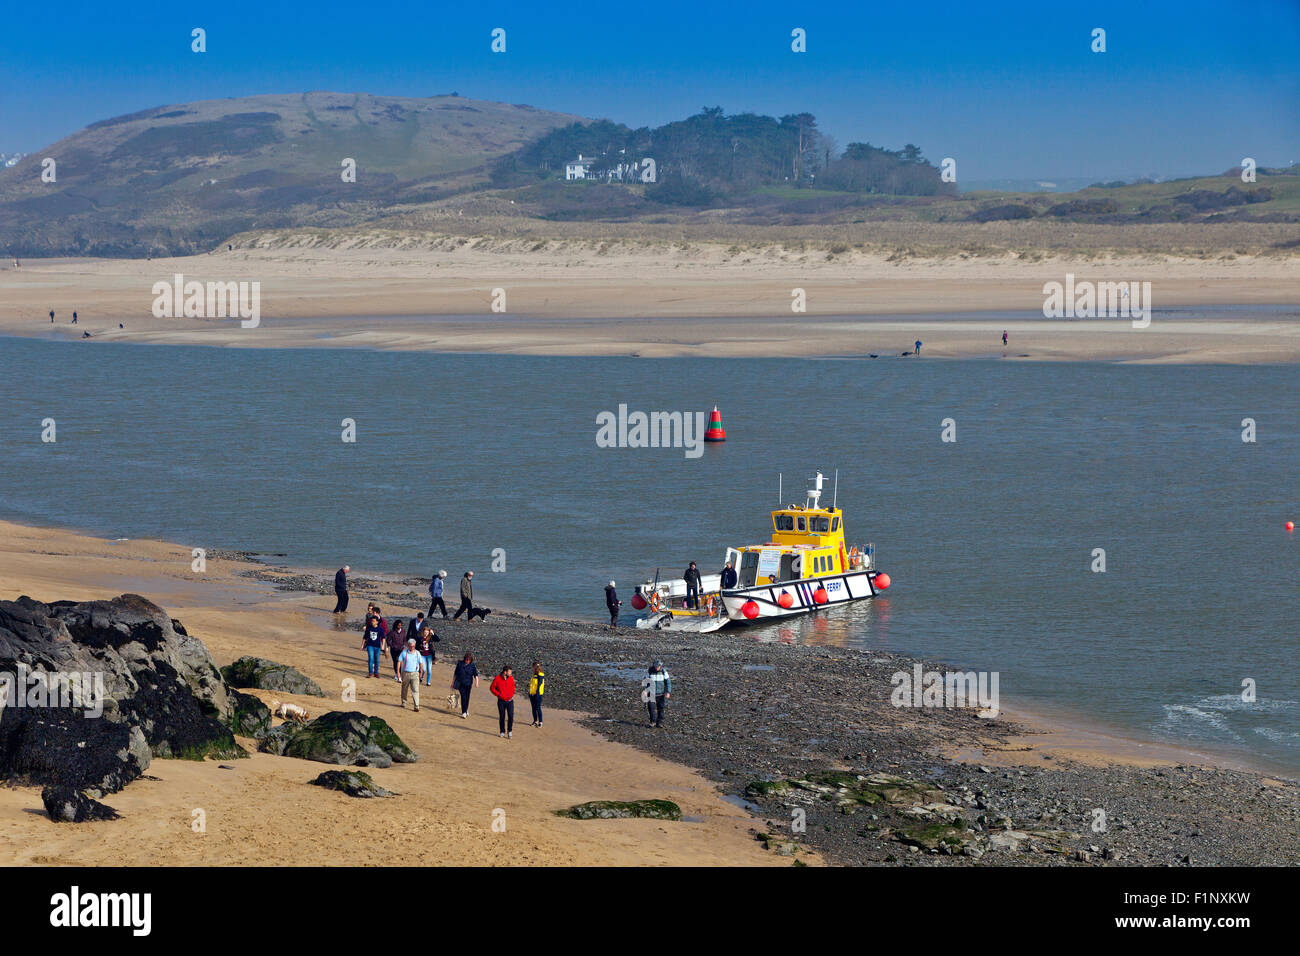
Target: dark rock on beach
340	737
91	692
354	783
620	809
67	805
262	674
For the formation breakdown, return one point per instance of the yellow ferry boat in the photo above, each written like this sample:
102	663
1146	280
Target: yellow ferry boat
806	566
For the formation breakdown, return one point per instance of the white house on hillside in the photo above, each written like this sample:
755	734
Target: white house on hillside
577	168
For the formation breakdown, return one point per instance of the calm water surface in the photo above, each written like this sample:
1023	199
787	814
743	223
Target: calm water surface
989	540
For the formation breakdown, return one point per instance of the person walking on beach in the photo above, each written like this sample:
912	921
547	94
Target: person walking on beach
466	596
372	642
692	577
1004	338
74	318
341	589
464	680
658	688
728	577
411	661
613	603
396	644
415	626
918	346
425	646
503	688
435	593
536	689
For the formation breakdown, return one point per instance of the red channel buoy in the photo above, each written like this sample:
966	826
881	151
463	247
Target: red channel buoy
785	600
715	431
638	601
882	581
749	609
820	596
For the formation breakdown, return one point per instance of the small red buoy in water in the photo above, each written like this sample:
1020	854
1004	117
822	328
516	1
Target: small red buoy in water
638	601
820	596
715	431
1290	526
749	609
785	600
882	581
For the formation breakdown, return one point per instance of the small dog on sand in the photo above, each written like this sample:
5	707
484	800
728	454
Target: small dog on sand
482	613
290	712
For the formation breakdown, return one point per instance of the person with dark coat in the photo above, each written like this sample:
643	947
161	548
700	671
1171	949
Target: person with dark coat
728	577
692	577
341	589
613	603
658	688
466	596
435	595
465	680
396	645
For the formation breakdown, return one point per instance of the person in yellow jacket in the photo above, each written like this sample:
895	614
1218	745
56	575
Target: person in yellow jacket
536	688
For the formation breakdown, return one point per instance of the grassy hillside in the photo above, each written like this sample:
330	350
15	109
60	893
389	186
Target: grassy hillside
179	179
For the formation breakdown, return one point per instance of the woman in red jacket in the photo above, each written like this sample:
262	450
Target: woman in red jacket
503	688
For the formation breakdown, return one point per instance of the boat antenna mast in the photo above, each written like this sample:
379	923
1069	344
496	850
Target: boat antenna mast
780	489
815	492
835	498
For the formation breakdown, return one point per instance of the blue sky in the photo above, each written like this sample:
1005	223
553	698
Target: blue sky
1008	89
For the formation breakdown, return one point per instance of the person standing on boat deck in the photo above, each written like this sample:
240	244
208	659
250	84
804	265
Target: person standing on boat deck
372	642
728	577
503	689
613	603
341	589
425	646
658	688
396	644
435	593
466	596
464	680
411	662
692	577
536	690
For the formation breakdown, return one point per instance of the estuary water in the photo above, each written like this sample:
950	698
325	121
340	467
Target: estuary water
990	539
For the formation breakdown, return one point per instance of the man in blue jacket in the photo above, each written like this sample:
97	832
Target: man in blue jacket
435	592
341	589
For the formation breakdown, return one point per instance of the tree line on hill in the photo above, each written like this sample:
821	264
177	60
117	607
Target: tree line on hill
712	155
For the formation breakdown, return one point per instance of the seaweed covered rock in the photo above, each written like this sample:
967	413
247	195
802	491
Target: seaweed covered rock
92	691
262	674
620	809
341	737
67	805
248	717
355	783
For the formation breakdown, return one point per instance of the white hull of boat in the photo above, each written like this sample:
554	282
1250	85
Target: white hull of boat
840	589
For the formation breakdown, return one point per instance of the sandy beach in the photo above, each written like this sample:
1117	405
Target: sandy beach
610	297
261	810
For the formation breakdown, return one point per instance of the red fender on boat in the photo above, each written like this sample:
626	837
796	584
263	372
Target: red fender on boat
749	609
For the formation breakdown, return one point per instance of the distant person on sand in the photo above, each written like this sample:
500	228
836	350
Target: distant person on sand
692	577
466	596
341	589
372	642
411	662
658	688
918	346
503	689
536	690
51	316
435	593
613	603
425	645
1004	337
396	644
728	578
465	680
74	318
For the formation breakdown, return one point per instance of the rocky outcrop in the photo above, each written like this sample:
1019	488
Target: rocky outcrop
620	809
354	783
262	674
341	737
67	805
91	692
